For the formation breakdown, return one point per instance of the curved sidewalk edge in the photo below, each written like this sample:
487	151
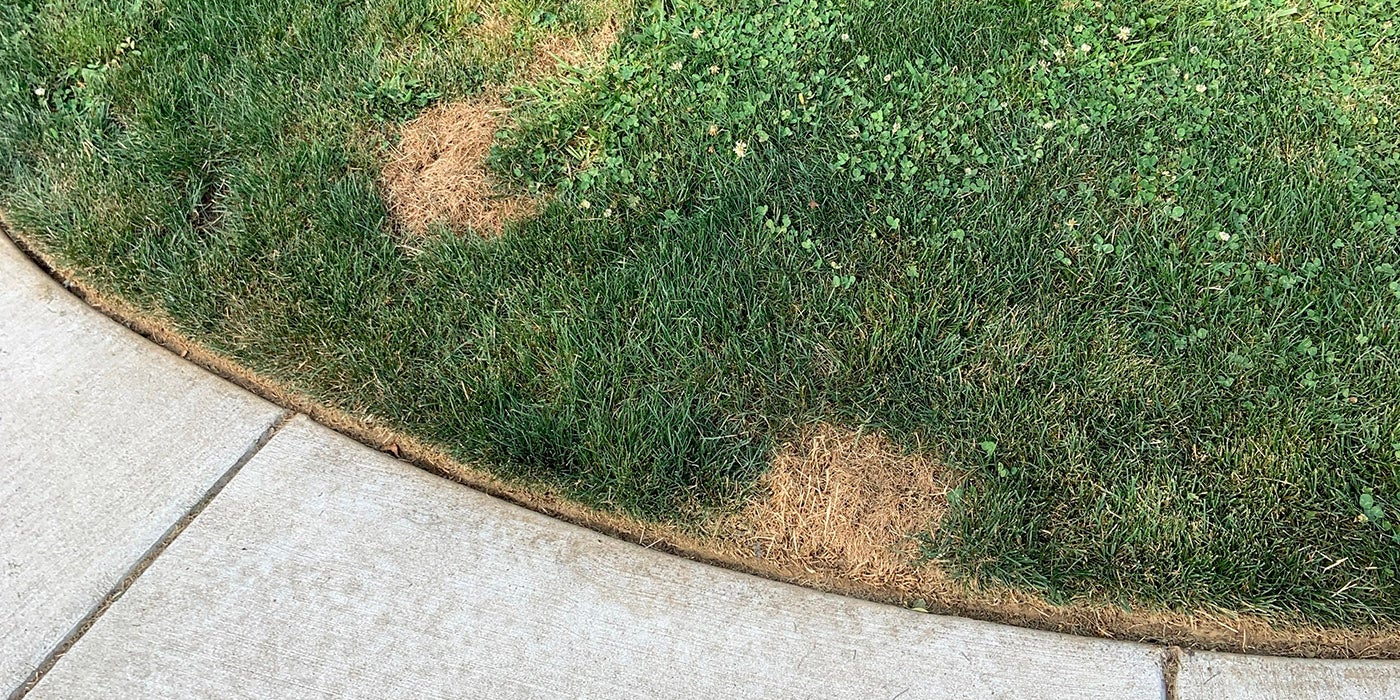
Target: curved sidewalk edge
165	534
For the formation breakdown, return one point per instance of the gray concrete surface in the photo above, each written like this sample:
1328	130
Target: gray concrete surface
327	570
105	441
1209	676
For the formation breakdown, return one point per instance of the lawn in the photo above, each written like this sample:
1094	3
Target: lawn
1127	272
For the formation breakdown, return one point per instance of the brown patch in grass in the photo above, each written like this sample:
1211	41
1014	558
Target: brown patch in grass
438	173
531	53
840	502
555	52
840	511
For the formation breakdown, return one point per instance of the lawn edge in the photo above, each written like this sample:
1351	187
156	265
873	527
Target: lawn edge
1220	631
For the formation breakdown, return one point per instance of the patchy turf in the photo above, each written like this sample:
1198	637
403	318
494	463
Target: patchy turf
1128	271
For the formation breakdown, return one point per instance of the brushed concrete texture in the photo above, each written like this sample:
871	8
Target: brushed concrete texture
325	569
106	440
1212	676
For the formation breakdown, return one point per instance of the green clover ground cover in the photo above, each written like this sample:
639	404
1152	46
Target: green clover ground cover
1130	267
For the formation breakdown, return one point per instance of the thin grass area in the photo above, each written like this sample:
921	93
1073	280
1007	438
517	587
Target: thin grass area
1128	270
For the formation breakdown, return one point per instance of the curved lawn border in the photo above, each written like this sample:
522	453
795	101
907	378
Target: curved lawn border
1218	631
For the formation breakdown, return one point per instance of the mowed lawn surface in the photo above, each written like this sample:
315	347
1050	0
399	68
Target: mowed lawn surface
1131	269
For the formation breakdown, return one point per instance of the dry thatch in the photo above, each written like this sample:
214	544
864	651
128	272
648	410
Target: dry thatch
836	501
438	174
556	52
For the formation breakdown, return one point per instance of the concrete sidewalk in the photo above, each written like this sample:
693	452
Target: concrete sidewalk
165	534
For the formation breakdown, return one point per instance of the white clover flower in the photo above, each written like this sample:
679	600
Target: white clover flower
1084	47
1124	33
677	65
39	91
1222	235
741	148
697	33
714	70
1200	88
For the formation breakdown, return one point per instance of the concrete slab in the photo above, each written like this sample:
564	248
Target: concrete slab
105	441
1211	676
325	569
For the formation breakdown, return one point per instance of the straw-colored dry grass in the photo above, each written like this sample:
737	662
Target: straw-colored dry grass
555	52
837	501
438	174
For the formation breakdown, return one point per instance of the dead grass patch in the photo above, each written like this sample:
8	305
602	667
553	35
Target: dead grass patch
438	173
555	53
844	503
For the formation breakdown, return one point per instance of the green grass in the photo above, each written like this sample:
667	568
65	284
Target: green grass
1144	295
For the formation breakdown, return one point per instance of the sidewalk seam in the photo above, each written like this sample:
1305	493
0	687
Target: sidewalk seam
149	557
1171	667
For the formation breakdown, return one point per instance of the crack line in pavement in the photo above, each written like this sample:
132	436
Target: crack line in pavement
1171	666
148	558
